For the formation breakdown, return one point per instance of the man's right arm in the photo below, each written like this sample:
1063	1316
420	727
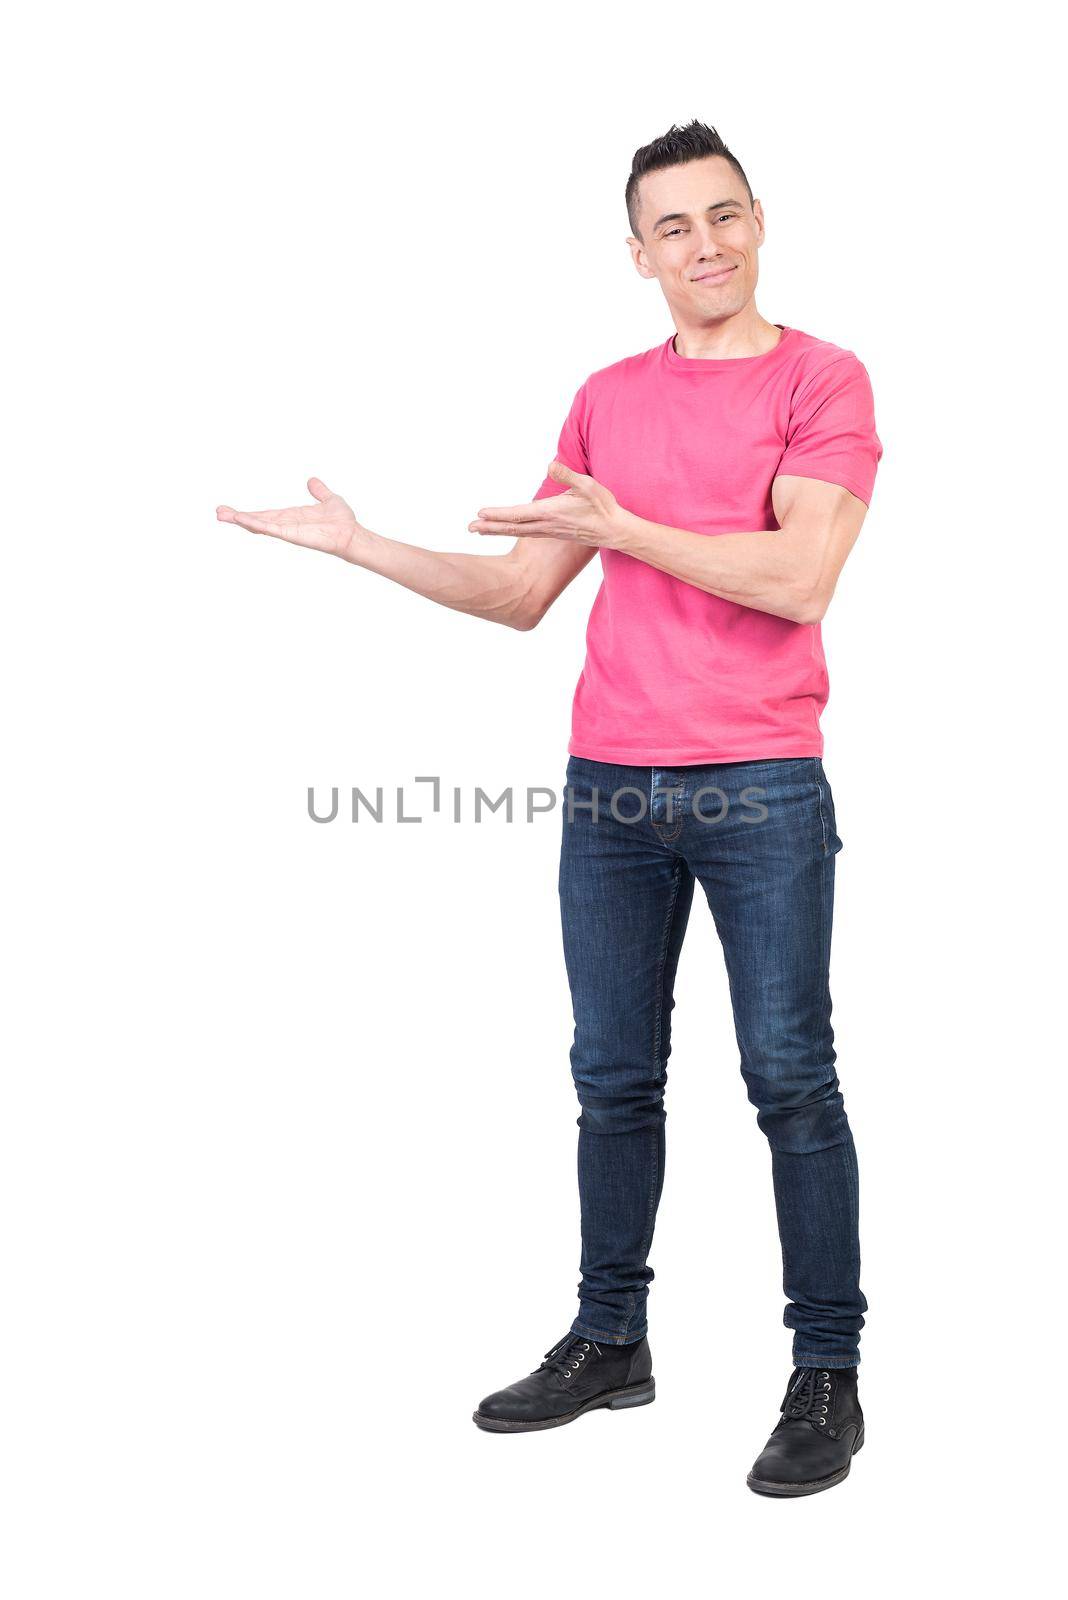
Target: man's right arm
515	588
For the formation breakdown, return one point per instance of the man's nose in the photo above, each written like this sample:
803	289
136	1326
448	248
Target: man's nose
707	243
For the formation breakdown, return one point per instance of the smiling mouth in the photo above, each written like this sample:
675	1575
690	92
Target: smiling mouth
712	277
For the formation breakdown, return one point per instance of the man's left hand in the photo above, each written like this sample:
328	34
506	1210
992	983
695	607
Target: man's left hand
587	512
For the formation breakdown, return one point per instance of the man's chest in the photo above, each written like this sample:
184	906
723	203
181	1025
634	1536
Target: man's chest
690	459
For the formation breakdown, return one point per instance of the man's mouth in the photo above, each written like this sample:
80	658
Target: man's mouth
715	277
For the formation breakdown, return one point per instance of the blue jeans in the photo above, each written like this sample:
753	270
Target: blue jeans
760	838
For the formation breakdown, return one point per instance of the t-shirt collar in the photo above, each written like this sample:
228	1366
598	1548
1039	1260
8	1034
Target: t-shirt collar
722	364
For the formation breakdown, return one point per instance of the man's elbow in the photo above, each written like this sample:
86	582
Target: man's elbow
526	618
529	610
807	603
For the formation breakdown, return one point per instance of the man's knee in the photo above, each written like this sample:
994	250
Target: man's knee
800	1110
617	1096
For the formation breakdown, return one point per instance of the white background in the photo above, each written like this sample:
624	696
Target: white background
288	1137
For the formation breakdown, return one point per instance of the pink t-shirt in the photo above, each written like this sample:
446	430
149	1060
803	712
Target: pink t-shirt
673	675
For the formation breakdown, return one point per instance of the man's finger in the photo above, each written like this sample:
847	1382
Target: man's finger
566	474
254	523
524	513
546	530
268	512
318	488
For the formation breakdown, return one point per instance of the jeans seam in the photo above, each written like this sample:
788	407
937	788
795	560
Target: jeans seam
664	945
654	1133
824	1011
819	795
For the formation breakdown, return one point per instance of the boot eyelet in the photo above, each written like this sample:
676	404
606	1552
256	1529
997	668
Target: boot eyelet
823	1422
824	1374
585	1347
575	1365
827	1387
567	1374
582	1355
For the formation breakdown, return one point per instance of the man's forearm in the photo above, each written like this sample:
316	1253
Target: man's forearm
760	569
487	586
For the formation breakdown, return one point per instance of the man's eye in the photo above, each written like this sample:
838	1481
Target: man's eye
728	214
671	231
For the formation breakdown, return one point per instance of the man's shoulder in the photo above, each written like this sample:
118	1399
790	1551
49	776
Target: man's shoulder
626	368
815	355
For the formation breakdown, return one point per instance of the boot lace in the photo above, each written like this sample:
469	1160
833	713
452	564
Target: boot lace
568	1355
808	1397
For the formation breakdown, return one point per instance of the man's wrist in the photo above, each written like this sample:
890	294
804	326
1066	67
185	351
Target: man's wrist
628	531
358	546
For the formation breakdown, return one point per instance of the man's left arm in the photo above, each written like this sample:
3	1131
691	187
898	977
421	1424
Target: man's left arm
790	571
819	496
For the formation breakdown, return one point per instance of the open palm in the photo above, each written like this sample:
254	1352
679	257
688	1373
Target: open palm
328	525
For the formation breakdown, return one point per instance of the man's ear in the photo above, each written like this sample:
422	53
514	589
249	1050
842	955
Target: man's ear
637	250
758	212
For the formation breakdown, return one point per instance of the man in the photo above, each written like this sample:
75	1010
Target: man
723	476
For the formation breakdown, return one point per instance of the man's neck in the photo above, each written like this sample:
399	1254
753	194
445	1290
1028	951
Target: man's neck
727	338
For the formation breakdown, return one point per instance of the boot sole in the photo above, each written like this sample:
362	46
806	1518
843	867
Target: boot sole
787	1491
635	1394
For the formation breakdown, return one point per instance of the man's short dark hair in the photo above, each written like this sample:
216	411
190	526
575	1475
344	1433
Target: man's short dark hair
673	148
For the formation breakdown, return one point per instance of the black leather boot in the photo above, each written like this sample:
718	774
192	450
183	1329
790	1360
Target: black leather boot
576	1375
820	1431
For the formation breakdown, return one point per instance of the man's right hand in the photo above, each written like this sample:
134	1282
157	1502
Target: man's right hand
329	525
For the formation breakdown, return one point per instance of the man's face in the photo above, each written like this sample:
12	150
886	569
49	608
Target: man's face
699	238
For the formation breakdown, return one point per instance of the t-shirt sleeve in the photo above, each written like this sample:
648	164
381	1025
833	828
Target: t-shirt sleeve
831	433
571	449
